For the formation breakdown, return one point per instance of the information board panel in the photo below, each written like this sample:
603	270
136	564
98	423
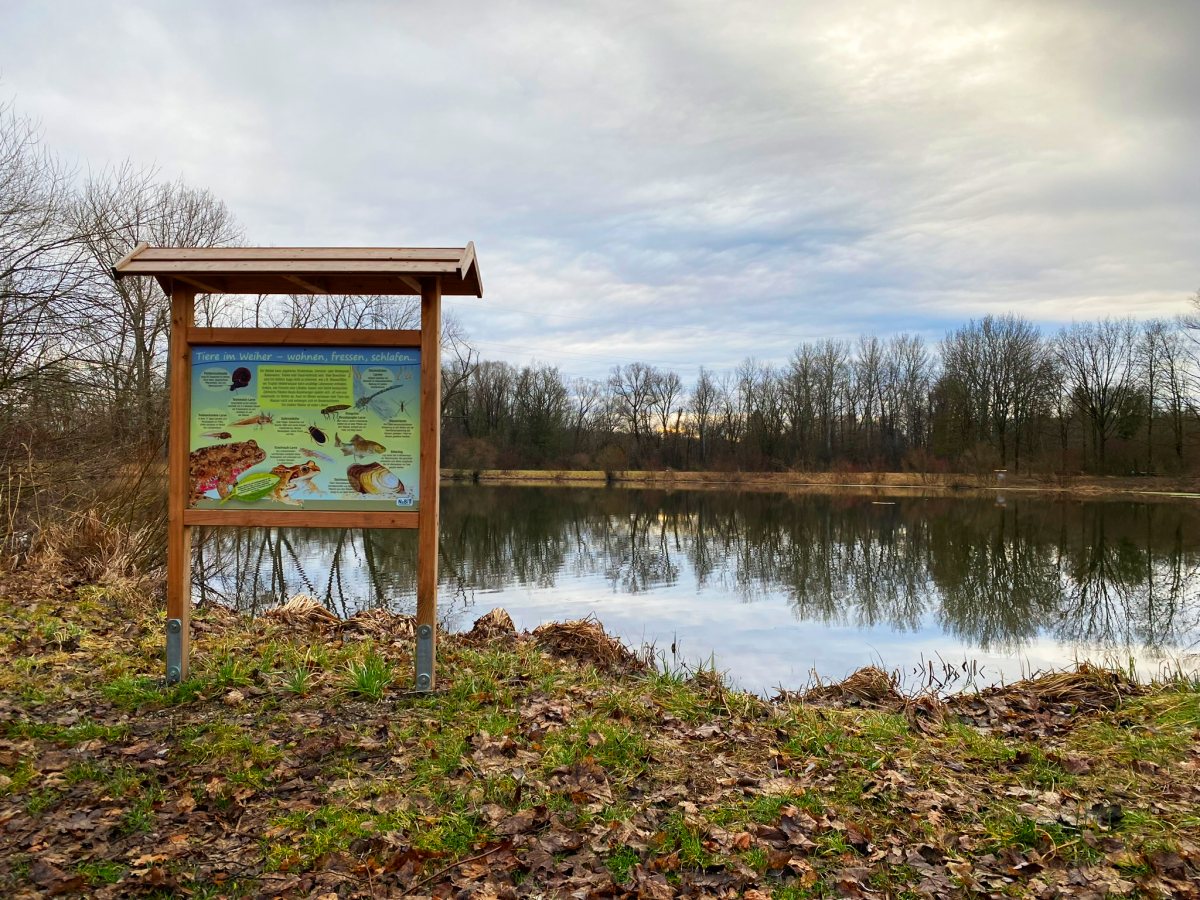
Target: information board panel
326	428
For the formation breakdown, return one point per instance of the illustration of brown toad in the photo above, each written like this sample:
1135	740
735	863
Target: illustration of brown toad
219	466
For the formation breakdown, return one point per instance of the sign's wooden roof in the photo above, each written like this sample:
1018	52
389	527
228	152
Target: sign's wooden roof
298	270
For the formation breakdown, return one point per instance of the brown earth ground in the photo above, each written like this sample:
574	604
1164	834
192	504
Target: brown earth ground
1082	485
295	763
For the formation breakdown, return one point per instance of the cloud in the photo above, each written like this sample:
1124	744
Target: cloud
692	182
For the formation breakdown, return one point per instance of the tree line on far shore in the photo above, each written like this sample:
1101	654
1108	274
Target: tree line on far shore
1113	396
83	366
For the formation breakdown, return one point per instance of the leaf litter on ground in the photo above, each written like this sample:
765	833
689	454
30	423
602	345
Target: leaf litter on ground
554	764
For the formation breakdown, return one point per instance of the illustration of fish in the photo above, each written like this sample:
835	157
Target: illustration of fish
261	419
241	378
358	446
315	454
330	410
217	435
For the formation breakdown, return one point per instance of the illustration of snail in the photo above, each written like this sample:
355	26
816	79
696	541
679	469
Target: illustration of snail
373	478
240	379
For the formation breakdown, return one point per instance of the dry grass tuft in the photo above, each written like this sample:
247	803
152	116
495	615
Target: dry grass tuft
585	640
303	611
496	625
101	516
100	549
381	623
1087	687
869	686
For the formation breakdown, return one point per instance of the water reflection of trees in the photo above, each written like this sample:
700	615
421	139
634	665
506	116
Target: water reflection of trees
1114	574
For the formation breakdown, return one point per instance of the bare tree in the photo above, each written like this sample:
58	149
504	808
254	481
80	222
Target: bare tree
460	359
632	390
130	318
540	411
830	368
666	392
908	380
40	304
1097	359
587	408
798	399
729	412
867	373
1176	383
703	407
1149	355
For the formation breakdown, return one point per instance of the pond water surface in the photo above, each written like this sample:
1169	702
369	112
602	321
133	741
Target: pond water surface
772	586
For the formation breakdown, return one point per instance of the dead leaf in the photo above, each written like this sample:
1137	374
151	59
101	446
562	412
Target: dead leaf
585	780
775	787
667	863
1075	764
54	761
53	879
858	837
560	840
652	886
522	821
494	812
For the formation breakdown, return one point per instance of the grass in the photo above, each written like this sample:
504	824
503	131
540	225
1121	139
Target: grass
323	763
368	677
131	692
299	681
101	872
621	863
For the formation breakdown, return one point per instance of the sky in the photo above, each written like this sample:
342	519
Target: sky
683	184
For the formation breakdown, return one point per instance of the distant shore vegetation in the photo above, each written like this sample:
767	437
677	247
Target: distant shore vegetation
1107	397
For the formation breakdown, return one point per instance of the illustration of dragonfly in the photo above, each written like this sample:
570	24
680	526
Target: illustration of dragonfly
383	406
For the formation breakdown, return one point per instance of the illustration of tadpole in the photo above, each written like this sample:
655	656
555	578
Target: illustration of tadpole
263	418
241	378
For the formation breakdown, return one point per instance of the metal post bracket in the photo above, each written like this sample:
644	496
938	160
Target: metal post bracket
174	651
424	657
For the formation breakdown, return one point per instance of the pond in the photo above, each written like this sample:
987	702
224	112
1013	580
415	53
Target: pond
771	587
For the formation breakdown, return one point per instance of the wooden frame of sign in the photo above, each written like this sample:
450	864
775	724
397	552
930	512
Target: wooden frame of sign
185	272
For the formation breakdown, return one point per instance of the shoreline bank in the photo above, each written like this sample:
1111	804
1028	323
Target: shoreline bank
1084	486
295	764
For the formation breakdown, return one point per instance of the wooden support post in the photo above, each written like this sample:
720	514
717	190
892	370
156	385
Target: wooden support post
427	510
179	538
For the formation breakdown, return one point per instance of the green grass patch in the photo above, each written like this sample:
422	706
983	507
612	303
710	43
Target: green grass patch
130	691
368	677
101	872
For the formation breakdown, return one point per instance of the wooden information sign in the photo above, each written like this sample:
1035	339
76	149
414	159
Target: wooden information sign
304	427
